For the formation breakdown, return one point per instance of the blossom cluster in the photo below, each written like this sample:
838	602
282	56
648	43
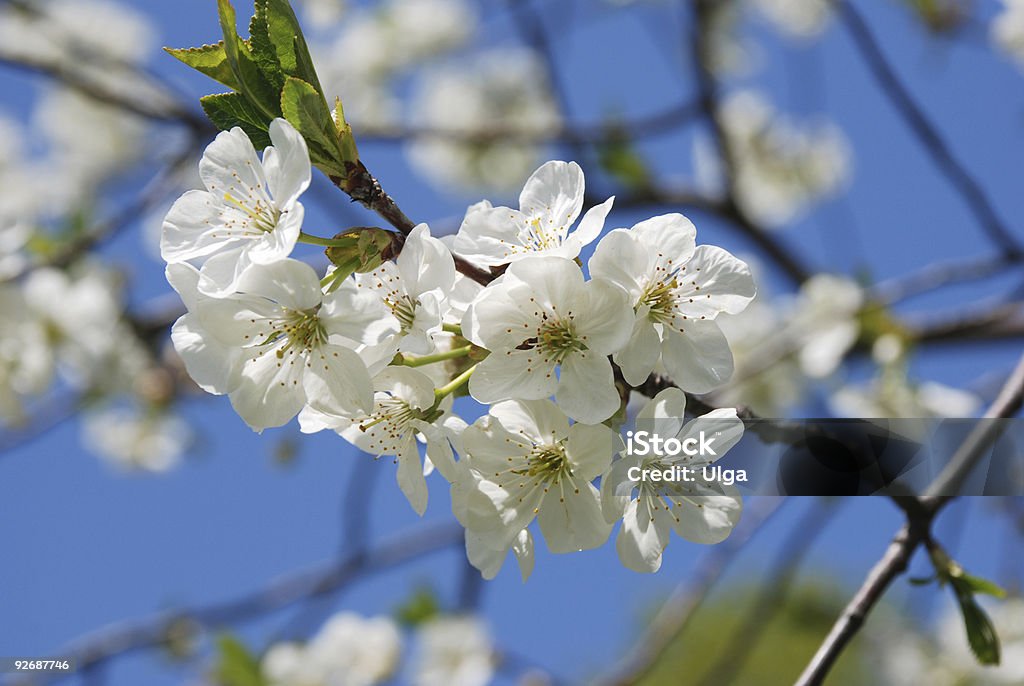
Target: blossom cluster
352	650
379	355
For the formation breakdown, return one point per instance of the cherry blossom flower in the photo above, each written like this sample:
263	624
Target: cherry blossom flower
349	650
453	651
542	316
249	212
134	440
523	460
548	206
1008	30
405	409
285	344
701	511
415	288
676	289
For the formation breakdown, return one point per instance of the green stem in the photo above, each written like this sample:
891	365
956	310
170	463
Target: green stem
325	242
452	354
454	385
452	328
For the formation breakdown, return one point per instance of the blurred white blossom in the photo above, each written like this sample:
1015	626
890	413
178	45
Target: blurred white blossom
798	18
453	651
501	90
1008	30
136	440
781	167
349	650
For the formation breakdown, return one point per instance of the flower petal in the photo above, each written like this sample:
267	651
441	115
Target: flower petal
337	382
586	390
570	517
287	165
698	360
641	353
554	194
518	374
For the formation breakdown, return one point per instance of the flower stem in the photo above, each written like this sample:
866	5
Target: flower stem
325	242
452	354
454	384
452	328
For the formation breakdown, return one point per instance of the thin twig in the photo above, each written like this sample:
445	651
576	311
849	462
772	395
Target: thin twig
926	132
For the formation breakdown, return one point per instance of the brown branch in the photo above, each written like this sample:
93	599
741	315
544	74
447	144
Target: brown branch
920	514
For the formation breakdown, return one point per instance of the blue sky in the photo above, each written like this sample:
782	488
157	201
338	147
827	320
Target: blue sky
84	546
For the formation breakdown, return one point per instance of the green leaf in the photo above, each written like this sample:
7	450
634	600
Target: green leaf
346	141
981	634
253	81
228	110
621	159
976	584
263	50
236	666
285	34
420	607
210	60
306	110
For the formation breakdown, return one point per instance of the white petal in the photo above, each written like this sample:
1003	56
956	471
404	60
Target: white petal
278	244
523	549
554	193
590	448
539	420
495	320
623	260
410	477
269	392
290	283
589	227
641	353
230	162
425	263
337	382
192	228
489	237
519	374
664	413
715	282
699	360
669	237
288	171
570	517
586	388
213	366
604	315
405	383
643	537
358	315
722	425
221	273
707	519
184	279
555	282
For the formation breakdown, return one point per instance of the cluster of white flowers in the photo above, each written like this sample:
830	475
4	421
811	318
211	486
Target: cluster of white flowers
943	658
780	167
349	650
352	650
1008	30
375	46
362	355
504	90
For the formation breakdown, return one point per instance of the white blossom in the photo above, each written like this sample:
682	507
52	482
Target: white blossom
249	212
797	18
26	356
415	288
133	440
824	324
702	510
524	460
780	167
676	289
453	651
548	207
296	344
349	650
501	90
1008	30
405	409
541	316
